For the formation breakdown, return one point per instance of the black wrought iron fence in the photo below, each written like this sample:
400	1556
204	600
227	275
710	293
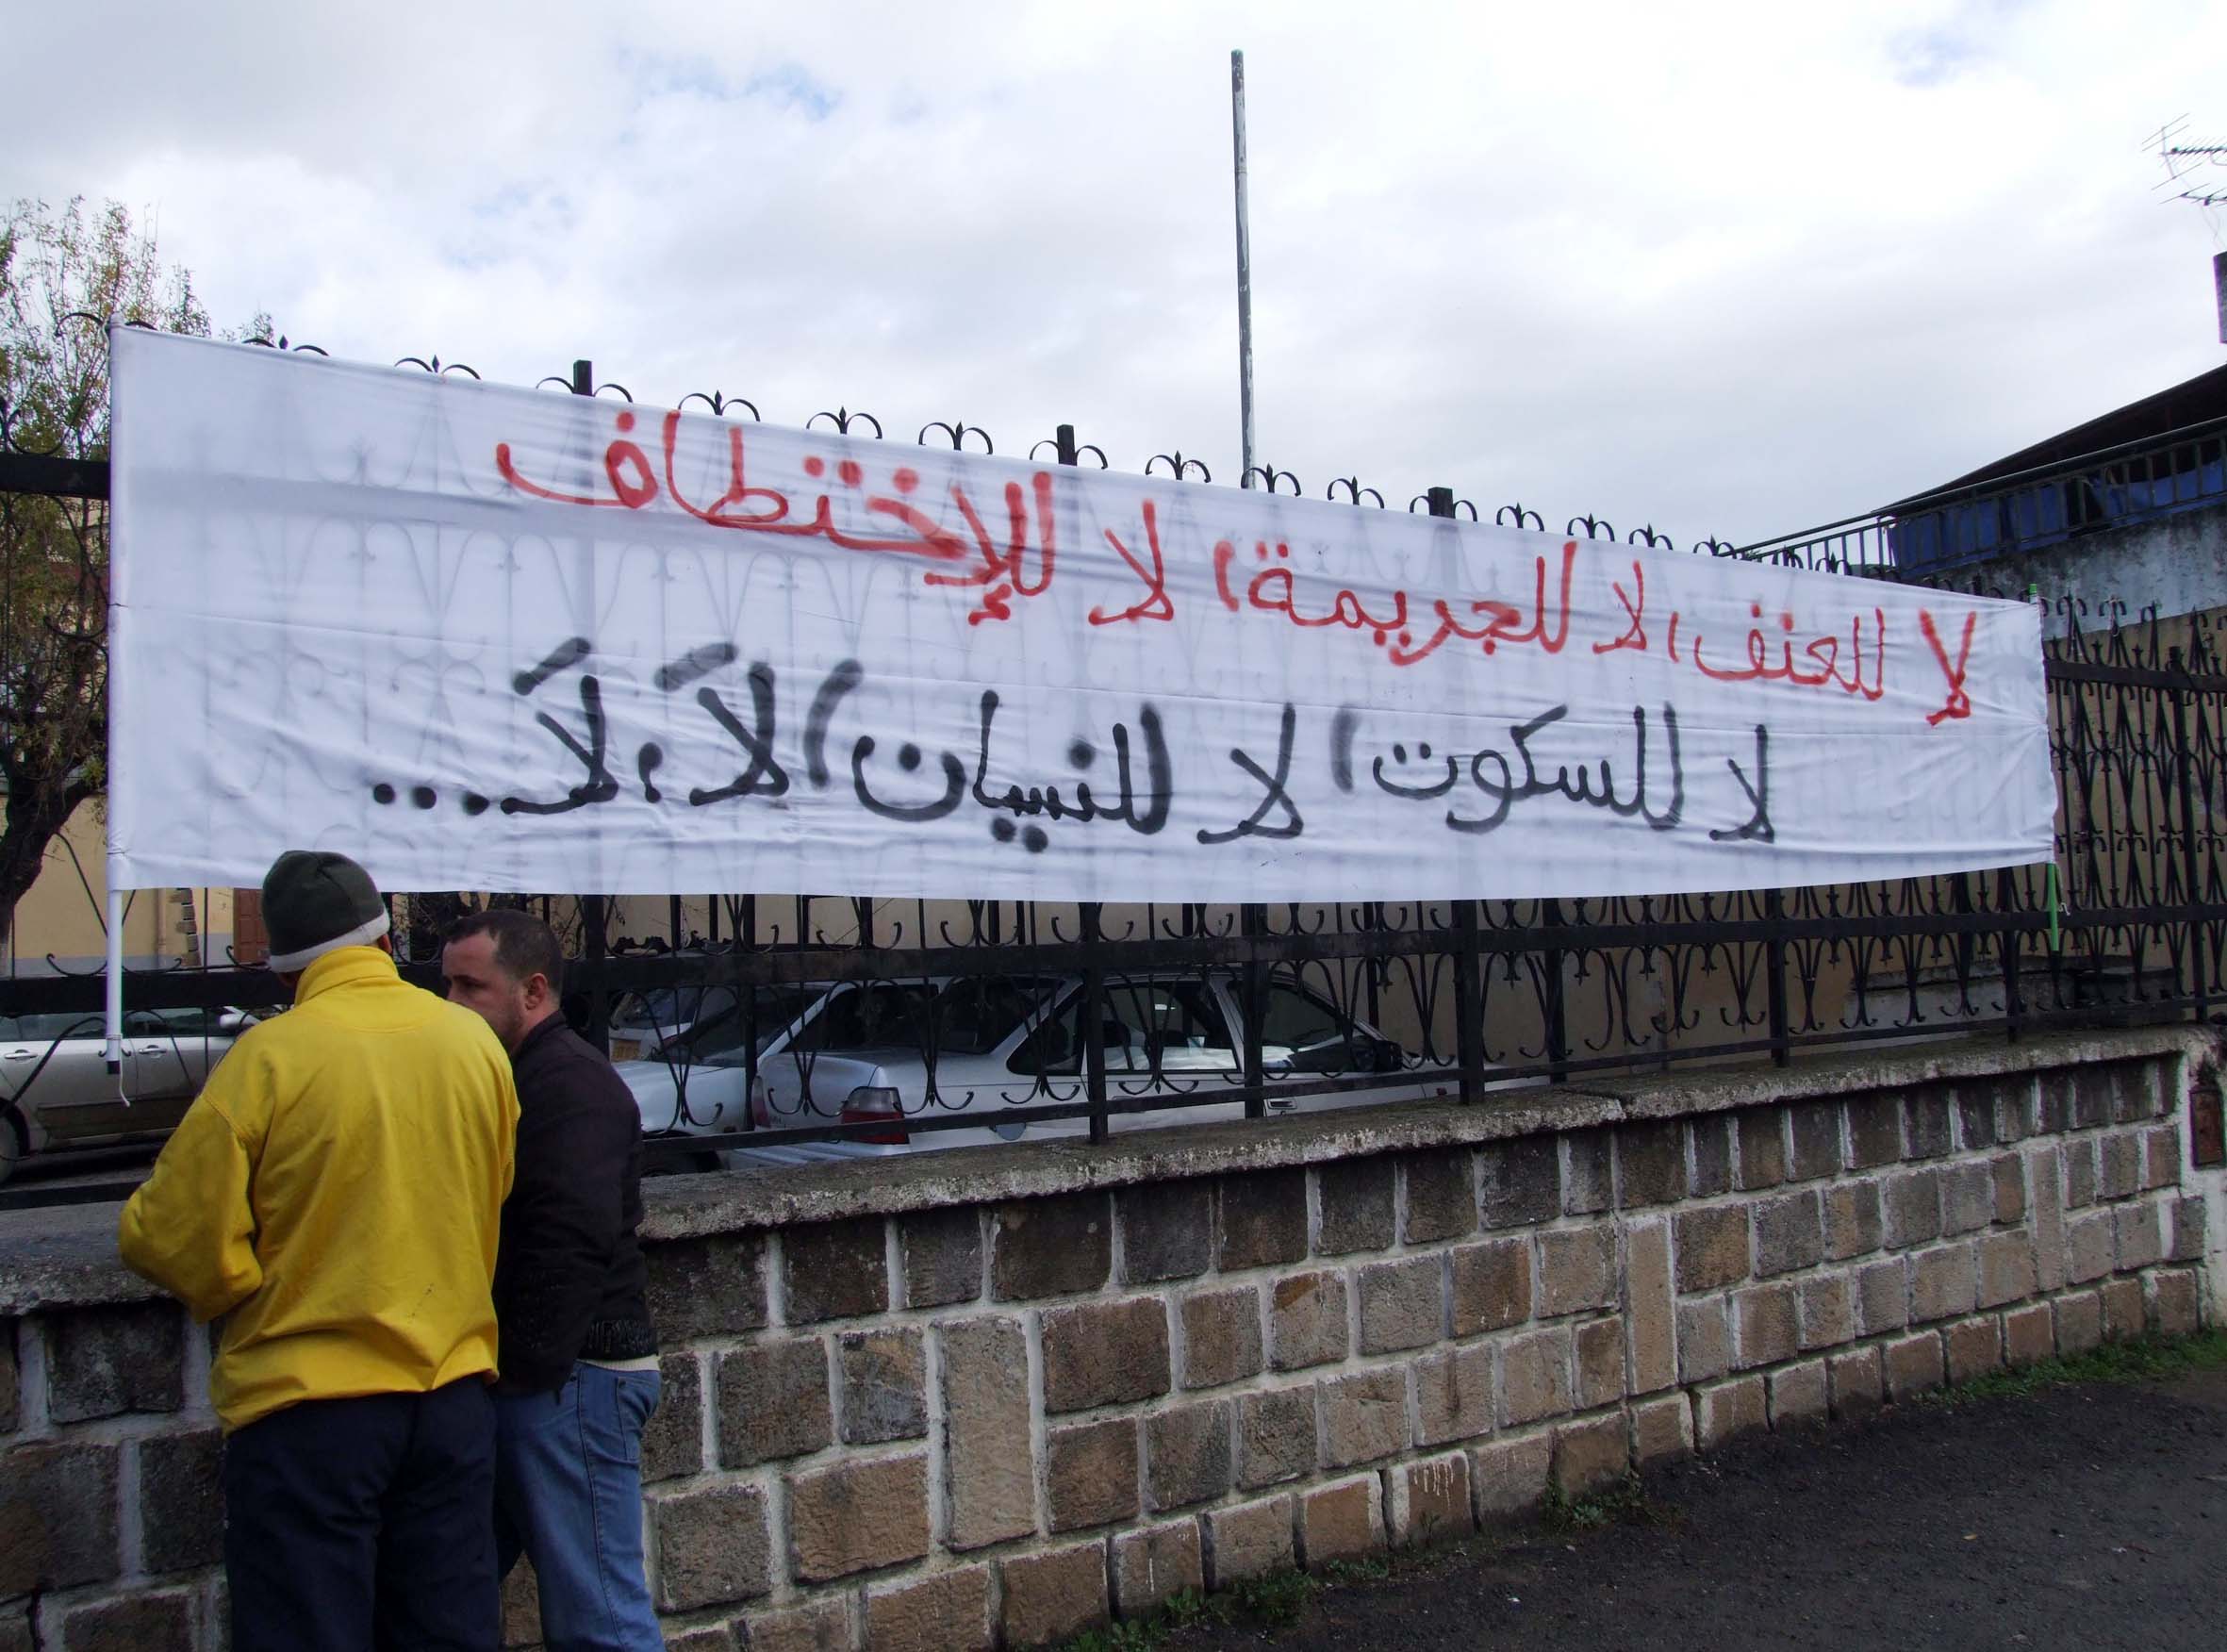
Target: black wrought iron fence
1261	1010
780	1025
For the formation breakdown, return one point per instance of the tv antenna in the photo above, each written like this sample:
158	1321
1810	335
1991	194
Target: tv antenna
2191	174
2190	169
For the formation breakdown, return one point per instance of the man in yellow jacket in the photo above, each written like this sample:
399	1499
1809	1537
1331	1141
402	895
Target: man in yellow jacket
336	1191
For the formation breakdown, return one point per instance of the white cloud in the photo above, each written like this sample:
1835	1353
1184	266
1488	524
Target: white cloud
1728	268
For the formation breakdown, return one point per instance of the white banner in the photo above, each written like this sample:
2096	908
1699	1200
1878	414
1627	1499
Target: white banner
483	637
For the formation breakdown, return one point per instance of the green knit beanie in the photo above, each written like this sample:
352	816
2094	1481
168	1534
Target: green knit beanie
314	902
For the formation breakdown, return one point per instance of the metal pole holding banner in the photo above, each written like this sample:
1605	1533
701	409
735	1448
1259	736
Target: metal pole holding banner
112	1028
112	1034
1245	271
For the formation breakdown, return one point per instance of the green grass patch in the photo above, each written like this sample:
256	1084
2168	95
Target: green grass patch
1188	1606
2143	1360
1622	1502
1140	1635
1343	1574
1275	1600
1272	1602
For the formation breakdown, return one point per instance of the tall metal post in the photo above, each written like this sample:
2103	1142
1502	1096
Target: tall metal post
1253	925
1092	916
595	911
1093	1019
2191	889
1254	917
2006	951
1244	270
1469	988
1775	960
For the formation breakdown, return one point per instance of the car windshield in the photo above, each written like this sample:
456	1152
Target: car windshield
673	1006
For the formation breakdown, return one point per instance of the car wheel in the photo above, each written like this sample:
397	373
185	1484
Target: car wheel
15	1140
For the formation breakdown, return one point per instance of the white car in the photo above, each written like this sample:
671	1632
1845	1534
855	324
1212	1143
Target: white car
693	1081
57	1091
645	1023
697	1083
1004	1042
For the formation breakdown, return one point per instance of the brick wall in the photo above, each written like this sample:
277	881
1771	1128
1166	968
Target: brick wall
972	1399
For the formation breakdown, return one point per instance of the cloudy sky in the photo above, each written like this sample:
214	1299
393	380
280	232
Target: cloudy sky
1727	268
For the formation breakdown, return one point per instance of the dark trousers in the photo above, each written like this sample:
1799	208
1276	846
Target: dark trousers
365	1525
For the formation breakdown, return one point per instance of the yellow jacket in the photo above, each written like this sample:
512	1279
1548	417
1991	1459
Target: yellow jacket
337	1188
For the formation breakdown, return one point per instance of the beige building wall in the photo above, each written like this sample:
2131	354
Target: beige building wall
60	922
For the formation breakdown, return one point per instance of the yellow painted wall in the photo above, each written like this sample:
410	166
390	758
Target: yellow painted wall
58	923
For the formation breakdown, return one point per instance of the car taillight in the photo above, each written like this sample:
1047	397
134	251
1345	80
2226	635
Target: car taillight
870	1104
761	1108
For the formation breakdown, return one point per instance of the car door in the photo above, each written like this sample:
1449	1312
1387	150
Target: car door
169	1054
20	1056
55	1060
1302	1031
1304	1035
1175	1033
60	1076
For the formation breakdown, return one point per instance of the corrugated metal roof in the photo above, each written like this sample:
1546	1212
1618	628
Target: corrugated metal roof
2191	401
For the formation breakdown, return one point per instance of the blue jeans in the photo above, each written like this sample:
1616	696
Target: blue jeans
569	1493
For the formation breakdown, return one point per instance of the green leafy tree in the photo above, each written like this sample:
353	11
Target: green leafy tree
62	273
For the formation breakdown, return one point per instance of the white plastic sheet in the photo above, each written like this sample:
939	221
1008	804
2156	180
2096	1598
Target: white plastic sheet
487	638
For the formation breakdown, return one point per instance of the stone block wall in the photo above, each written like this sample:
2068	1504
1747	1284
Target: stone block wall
991	1397
111	1518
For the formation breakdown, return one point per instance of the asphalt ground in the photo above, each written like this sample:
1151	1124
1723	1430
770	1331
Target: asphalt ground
2087	1515
97	1176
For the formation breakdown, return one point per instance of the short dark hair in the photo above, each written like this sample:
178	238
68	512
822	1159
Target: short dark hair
525	944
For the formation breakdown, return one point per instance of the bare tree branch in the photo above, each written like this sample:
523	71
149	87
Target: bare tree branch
61	271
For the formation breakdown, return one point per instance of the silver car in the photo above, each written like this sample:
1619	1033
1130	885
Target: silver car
984	1046
57	1091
